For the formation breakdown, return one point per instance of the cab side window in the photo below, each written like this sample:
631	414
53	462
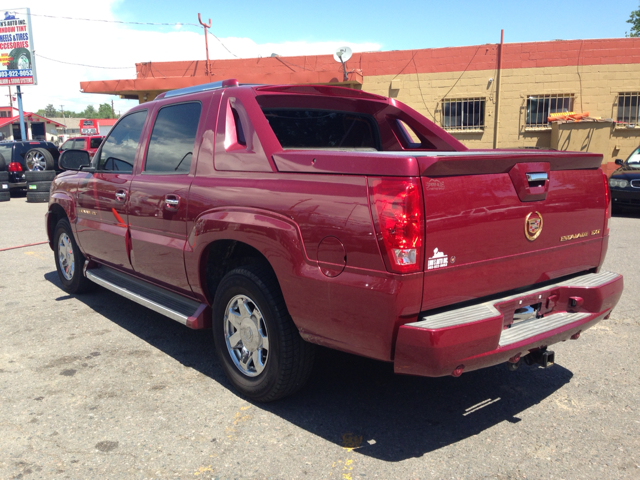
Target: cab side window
119	149
172	141
95	142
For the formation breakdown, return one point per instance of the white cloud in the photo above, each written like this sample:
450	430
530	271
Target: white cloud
117	45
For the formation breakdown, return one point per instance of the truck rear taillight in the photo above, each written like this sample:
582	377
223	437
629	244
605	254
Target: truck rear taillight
15	167
396	206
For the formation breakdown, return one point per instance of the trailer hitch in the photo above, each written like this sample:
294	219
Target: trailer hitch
545	358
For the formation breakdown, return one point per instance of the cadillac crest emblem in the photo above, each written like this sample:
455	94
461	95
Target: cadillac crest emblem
533	226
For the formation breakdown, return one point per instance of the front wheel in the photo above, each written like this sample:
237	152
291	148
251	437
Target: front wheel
256	341
69	260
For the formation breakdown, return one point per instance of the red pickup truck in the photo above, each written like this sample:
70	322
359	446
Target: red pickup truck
288	216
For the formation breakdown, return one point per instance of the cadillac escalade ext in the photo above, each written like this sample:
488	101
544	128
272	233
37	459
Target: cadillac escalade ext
285	217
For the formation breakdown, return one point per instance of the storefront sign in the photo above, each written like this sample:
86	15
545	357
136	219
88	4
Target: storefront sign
17	63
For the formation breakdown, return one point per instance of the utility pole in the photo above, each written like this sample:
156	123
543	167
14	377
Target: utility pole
113	112
11	100
206	44
65	123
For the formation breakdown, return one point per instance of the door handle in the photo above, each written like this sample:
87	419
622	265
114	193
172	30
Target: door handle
121	195
172	202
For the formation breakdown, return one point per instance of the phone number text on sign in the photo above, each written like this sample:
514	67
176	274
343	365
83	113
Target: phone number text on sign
16	73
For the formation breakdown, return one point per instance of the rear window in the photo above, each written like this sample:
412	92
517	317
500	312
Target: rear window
330	129
5	151
95	142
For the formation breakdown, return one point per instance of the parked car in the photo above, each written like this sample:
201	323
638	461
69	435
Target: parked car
625	182
19	157
90	144
288	216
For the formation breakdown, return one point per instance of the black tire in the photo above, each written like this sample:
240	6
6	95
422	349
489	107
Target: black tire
18	58
69	267
40	176
287	358
38	186
38	159
5	196
3	166
37	197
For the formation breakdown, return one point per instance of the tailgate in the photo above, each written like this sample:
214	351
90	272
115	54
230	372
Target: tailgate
499	221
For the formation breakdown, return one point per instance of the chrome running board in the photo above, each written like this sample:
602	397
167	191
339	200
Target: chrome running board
169	304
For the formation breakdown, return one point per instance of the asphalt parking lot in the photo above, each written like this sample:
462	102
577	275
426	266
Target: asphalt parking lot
95	386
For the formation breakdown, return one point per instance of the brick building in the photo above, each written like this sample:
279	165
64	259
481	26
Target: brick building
487	96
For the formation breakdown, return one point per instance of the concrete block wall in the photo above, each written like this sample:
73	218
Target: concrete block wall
595	89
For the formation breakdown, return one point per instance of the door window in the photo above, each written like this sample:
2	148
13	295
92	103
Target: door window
174	133
119	149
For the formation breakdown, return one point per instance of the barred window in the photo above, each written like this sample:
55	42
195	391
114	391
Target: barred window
539	107
628	107
463	114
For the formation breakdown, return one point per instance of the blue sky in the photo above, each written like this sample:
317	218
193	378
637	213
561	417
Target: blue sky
397	25
69	50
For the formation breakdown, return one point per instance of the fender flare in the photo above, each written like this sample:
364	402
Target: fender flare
68	204
275	236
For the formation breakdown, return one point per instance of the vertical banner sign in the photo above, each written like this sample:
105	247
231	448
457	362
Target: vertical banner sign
17	63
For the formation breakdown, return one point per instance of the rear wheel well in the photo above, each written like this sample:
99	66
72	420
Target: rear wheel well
225	255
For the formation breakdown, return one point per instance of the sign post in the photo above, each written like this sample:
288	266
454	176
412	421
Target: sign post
17	62
23	132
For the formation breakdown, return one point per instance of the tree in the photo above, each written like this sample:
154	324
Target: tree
90	112
634	20
104	111
50	111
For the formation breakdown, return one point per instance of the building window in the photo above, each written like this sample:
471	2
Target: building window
4	114
539	107
463	114
628	108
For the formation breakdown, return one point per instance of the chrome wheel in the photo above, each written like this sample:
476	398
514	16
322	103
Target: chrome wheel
23	62
246	336
65	256
35	161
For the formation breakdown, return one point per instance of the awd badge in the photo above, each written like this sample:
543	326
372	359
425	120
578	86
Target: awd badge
533	226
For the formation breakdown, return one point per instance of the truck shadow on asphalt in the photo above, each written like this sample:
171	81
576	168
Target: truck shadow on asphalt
355	402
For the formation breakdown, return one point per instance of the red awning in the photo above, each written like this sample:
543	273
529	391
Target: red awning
30	117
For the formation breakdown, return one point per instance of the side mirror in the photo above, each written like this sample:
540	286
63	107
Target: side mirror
619	161
74	160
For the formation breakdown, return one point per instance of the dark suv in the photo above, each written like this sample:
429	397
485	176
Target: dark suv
22	156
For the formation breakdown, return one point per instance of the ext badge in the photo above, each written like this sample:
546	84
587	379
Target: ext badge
533	226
